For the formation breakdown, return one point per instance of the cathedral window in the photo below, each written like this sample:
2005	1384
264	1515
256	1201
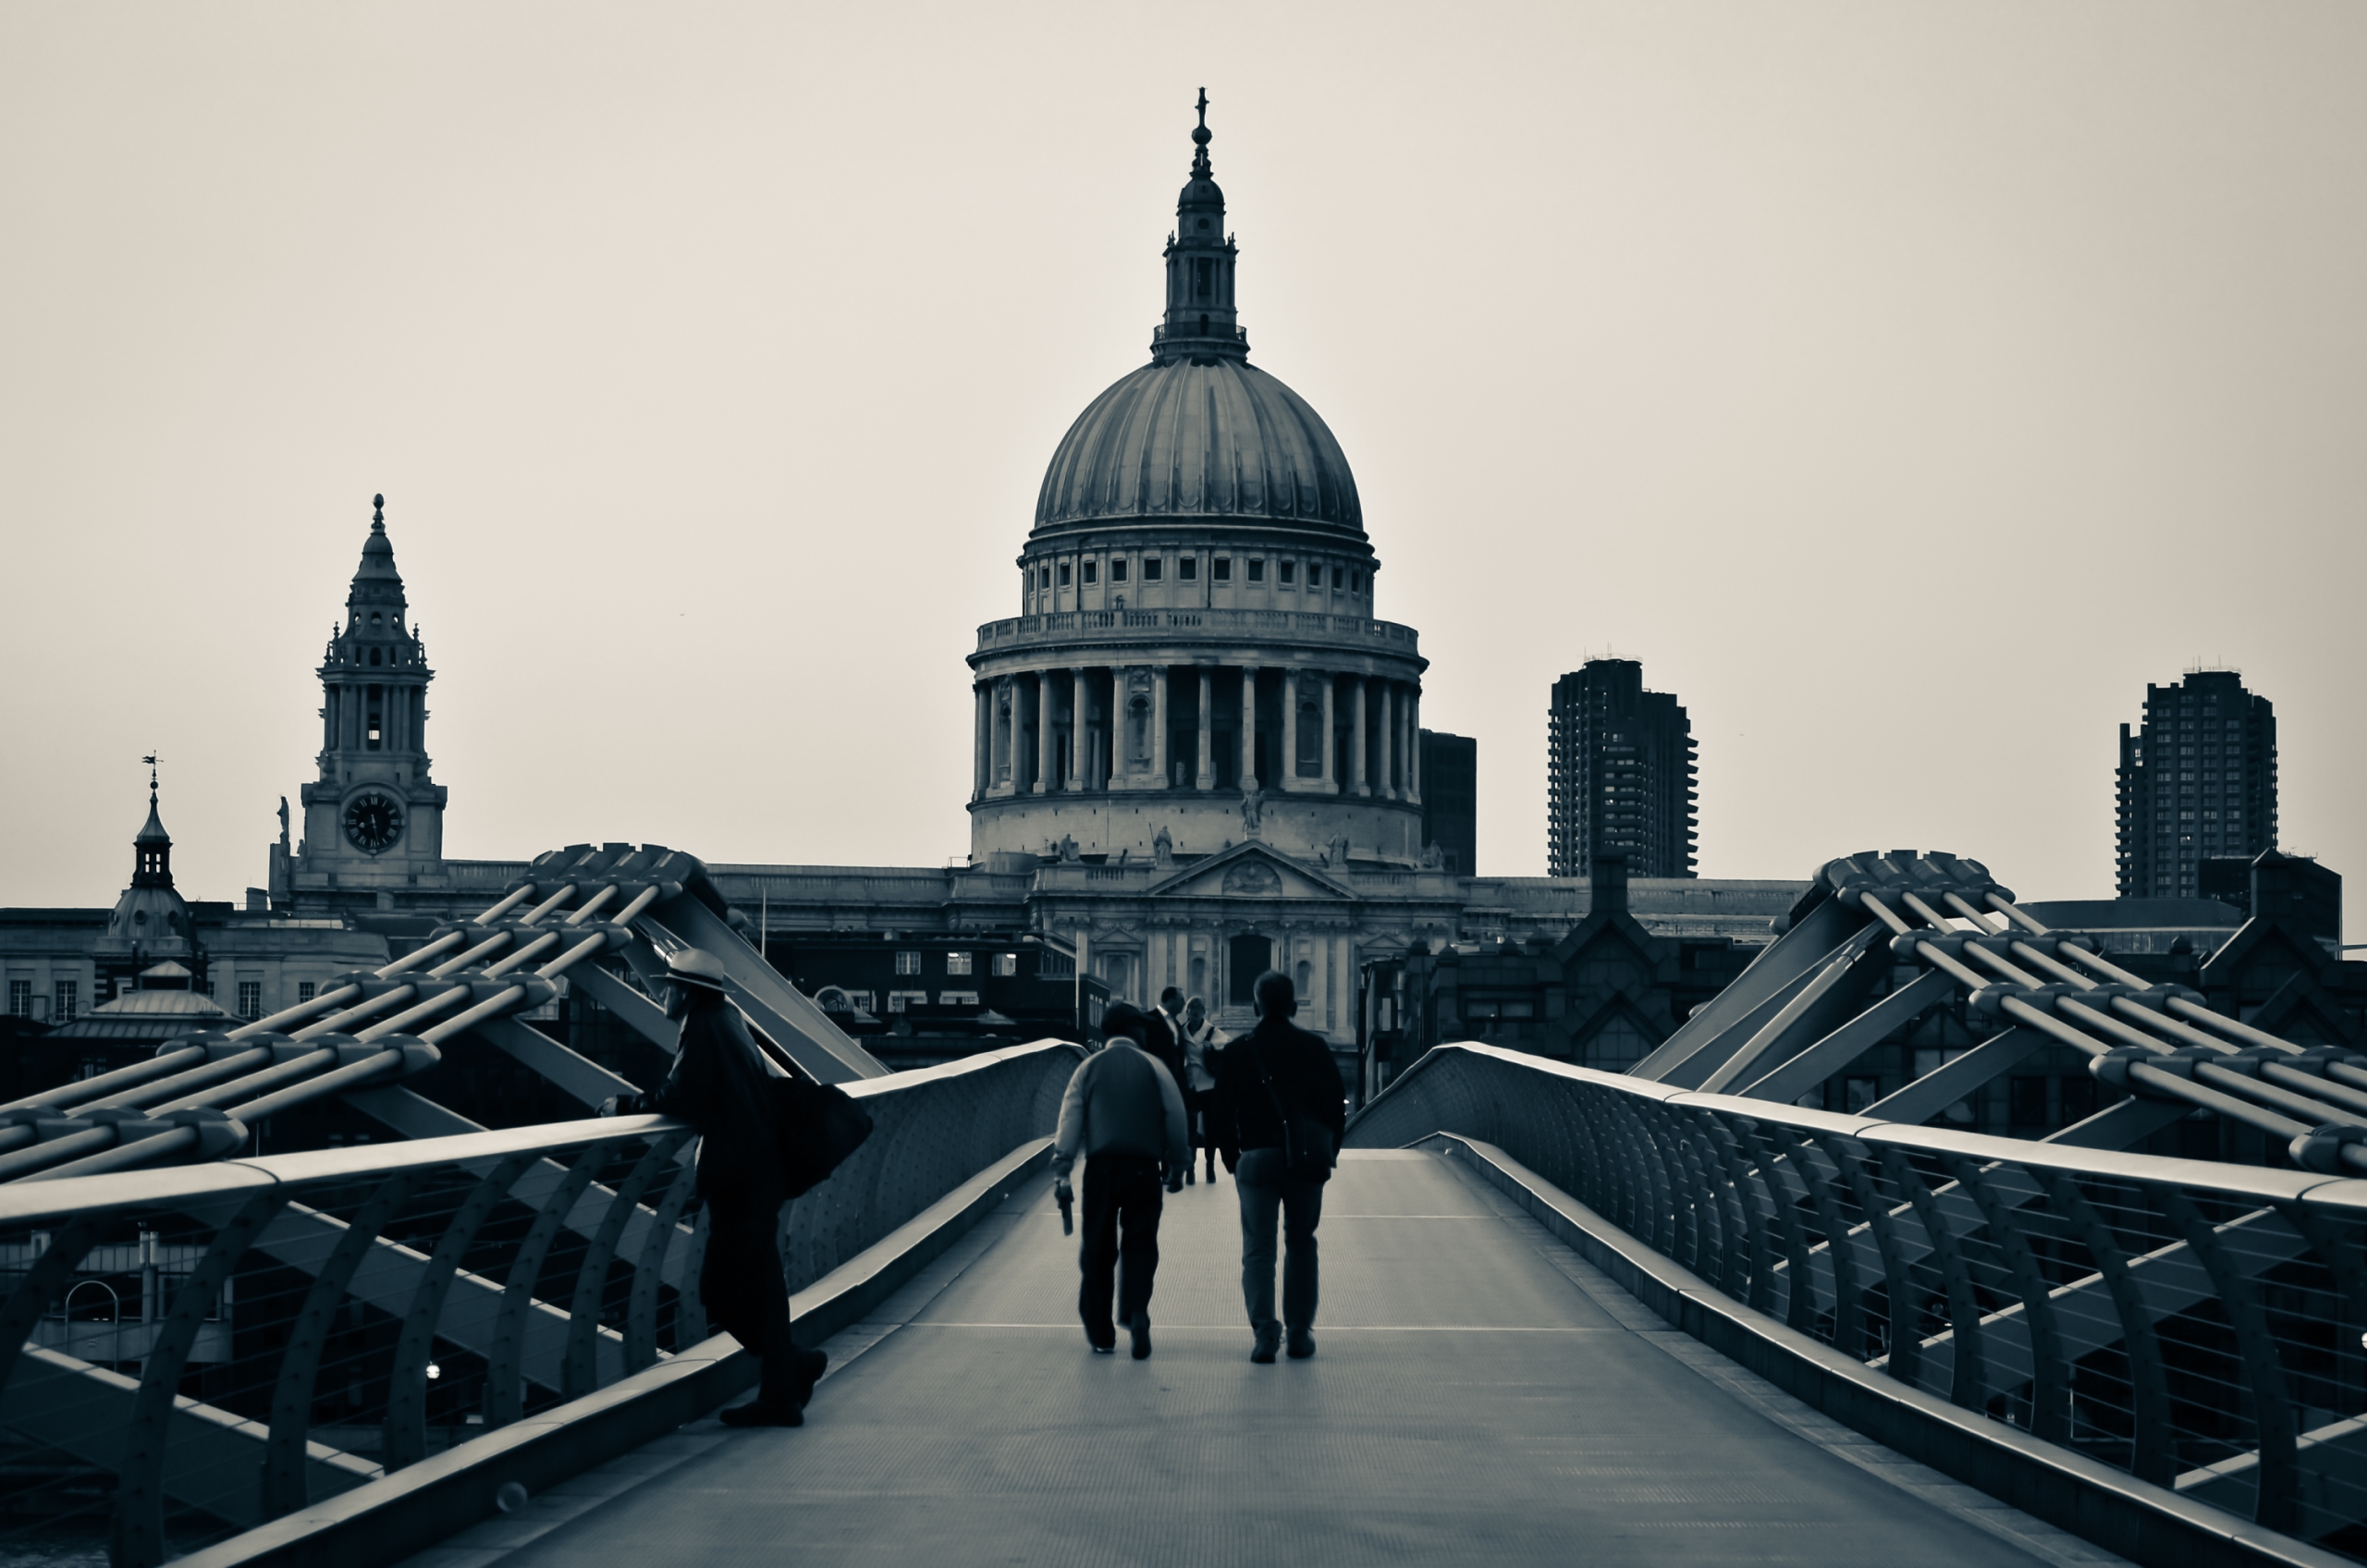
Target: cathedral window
1117	570
377	656
1203	276
1152	567
1091	568
1289	570
1064	574
1223	569
1257	570
1355	582
1188	569
1339	576
250	998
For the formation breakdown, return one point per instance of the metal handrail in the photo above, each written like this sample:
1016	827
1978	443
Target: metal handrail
394	1228
2193	1323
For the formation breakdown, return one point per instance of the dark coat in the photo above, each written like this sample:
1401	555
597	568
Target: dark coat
1306	1080
719	1085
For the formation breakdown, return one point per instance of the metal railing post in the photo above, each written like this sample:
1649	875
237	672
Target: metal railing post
286	1483
406	1439
580	1373
138	1537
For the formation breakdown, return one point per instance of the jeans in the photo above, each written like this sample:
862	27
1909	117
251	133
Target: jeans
1120	1191
1267	1194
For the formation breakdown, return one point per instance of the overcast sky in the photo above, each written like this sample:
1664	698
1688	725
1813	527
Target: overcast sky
1905	385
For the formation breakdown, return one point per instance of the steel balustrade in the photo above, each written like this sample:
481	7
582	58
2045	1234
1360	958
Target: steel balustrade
2193	1323
337	1316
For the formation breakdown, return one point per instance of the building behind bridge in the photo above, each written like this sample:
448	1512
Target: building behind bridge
1197	754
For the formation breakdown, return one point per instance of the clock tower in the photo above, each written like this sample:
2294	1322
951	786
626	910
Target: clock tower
374	820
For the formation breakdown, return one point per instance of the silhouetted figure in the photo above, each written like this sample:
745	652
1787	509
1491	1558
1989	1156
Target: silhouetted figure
719	1086
1278	1096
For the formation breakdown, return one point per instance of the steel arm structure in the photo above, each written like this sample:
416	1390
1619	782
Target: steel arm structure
198	1097
1825	992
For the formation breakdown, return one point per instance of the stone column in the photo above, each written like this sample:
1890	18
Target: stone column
1387	740
1414	745
1330	739
1356	779
1011	732
1290	728
1044	753
1207	778
1248	727
1158	723
1076	729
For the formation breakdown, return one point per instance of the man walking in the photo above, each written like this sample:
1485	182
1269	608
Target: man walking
1278	1095
1124	1113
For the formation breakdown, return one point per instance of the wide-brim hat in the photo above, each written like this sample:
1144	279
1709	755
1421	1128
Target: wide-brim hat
695	966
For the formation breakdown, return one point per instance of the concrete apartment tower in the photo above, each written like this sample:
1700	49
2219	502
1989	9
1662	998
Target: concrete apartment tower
1619	774
2198	780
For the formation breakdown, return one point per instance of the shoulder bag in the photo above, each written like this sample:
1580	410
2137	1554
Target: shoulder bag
817	1126
1307	1142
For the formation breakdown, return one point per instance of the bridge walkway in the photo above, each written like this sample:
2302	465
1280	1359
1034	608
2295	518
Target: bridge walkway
1480	1394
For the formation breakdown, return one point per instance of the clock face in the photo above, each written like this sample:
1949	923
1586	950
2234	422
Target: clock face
373	822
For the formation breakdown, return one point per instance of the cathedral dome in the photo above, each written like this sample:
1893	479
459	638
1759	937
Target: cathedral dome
1194	437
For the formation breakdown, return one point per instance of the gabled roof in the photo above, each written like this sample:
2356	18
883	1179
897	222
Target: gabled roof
1251	871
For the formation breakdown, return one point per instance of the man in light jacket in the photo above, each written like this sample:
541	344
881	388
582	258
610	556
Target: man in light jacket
1124	1113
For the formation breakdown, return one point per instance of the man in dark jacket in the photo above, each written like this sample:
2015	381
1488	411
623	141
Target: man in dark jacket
718	1084
1273	1075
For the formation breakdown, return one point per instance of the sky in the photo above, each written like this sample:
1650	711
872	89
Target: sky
1905	385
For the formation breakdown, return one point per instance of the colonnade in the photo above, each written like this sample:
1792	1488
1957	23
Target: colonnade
346	711
1100	726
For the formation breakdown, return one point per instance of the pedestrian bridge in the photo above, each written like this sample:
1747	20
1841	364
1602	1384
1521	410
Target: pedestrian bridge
1661	1316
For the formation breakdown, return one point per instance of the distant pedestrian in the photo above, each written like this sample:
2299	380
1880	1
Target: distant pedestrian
718	1085
1124	1113
1203	1047
1278	1095
1164	1041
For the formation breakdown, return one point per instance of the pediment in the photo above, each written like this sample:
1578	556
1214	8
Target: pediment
1250	870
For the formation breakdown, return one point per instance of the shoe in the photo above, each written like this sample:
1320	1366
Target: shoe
1302	1344
811	1366
1103	1344
1188	1177
1269	1341
755	1414
1141	1329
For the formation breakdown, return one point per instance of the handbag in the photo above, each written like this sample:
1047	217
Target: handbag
818	1125
1307	1142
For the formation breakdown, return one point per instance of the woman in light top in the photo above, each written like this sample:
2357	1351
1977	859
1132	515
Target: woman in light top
1203	1044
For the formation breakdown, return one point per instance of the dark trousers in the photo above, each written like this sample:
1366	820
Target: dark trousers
1121	1195
1269	1194
1198	1104
745	1294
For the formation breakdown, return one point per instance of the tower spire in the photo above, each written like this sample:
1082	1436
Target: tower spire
1200	326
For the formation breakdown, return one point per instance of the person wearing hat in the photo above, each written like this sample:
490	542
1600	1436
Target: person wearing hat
1124	1113
718	1085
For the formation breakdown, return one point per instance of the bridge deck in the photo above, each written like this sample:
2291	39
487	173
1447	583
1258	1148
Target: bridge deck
1471	1399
